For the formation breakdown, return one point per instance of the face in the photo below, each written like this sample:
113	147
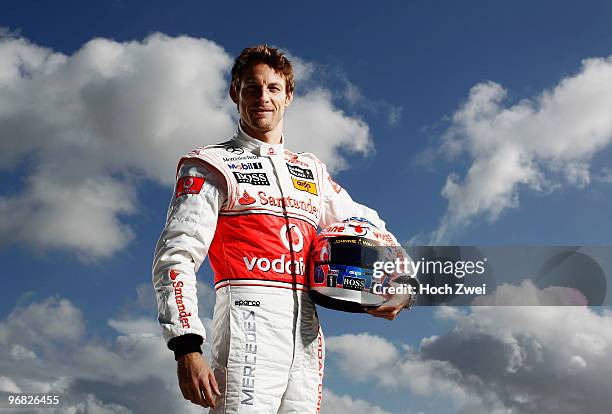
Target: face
262	99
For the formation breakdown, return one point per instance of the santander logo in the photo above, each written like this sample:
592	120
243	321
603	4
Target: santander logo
246	199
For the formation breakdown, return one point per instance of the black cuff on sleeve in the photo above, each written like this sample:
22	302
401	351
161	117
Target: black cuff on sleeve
185	344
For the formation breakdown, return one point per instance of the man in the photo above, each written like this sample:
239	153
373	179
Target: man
253	207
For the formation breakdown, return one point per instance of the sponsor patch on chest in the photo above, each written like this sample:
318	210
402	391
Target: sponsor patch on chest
299	172
303	185
252	178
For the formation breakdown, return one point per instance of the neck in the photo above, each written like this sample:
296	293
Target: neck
272	136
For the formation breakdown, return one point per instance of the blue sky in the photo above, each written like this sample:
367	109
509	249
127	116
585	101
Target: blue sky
433	90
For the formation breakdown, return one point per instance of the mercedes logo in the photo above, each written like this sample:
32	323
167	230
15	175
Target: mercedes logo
235	150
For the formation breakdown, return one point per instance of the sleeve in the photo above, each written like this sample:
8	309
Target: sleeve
338	204
180	250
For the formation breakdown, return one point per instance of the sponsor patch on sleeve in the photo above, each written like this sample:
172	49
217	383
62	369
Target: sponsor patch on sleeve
189	185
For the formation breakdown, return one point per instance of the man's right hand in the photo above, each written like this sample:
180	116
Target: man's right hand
196	380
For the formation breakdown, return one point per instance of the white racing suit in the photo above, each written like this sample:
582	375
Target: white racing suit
254	208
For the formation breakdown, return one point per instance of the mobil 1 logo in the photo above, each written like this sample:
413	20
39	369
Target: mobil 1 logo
252	178
299	172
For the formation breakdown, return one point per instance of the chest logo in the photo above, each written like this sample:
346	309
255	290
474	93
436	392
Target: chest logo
235	150
307	186
297	239
246	199
303	173
252	178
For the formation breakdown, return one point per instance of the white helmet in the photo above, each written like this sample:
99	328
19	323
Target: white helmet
343	274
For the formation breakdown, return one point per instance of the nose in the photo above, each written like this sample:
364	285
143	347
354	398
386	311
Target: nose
263	94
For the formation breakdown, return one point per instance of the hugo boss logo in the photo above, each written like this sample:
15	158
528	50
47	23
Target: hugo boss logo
252	178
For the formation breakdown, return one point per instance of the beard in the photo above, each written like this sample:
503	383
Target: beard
265	123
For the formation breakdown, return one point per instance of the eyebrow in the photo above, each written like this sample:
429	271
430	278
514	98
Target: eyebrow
254	80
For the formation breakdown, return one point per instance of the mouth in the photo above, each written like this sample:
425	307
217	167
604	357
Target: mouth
261	113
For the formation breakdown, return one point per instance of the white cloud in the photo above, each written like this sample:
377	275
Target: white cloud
85	131
363	350
314	124
18	352
94	406
333	403
605	175
540	143
51	352
8	385
50	321
504	360
527	294
494	360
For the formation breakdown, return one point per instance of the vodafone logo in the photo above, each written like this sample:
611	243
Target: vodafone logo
296	237
324	254
282	264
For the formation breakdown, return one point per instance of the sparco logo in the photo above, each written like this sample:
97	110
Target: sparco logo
241	302
353	283
235	150
252	178
245	166
300	172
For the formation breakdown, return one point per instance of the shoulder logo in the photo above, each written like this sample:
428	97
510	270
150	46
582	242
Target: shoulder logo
189	185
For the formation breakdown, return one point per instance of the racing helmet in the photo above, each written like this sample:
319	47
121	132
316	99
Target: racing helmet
344	266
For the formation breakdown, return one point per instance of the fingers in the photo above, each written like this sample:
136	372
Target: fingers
213	383
387	312
197	382
206	392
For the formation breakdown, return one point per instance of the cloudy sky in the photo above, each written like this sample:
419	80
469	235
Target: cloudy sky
461	124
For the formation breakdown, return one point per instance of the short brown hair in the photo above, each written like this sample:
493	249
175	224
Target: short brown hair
271	56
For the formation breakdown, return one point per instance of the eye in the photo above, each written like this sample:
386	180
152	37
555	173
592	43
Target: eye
274	88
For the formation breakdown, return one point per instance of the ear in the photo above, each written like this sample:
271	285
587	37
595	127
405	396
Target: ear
288	99
233	94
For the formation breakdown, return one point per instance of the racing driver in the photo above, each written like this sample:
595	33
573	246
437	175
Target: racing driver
253	207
